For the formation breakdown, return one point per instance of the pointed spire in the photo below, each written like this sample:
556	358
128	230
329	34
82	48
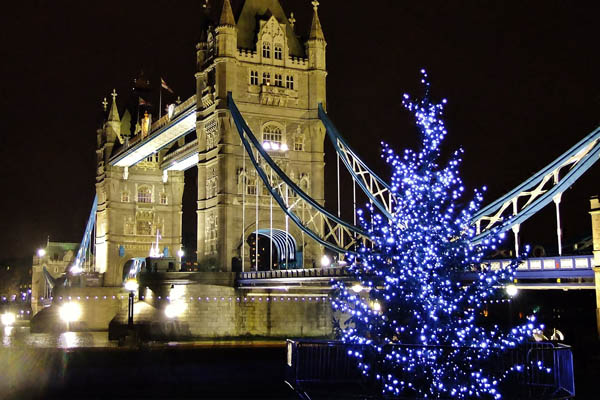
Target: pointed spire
227	14
292	21
316	32
114	113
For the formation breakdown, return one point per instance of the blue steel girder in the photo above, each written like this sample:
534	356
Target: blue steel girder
372	185
338	236
539	190
87	235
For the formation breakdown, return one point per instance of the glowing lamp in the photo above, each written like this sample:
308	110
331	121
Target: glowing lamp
284	147
325	261
511	290
376	306
275	146
131	285
41	252
70	312
8	319
180	253
267	145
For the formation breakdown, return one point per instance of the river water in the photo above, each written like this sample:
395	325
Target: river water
86	365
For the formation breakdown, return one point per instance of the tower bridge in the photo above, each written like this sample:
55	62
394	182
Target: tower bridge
255	130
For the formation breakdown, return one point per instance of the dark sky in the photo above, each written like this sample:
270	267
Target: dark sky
521	79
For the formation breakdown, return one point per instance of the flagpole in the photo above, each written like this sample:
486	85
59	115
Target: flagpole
160	99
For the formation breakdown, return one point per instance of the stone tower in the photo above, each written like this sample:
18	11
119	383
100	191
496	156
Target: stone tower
134	204
277	82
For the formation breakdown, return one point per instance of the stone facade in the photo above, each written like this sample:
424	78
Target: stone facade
277	84
595	214
134	206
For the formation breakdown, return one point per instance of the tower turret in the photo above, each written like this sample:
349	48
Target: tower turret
112	127
226	32
316	43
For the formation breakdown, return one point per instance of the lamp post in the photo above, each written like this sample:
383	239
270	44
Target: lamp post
132	286
180	254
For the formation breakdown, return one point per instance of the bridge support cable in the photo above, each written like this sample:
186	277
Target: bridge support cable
310	217
538	191
82	252
378	191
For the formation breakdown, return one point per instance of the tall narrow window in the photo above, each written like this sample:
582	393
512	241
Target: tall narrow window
251	185
266	78
278	80
299	142
278	53
289	82
125	197
163	198
254	77
266	50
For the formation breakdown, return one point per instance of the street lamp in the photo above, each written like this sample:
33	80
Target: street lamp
511	290
357	288
180	254
325	261
41	253
131	285
8	319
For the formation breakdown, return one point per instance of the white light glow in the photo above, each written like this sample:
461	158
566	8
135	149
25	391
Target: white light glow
325	261
284	147
376	307
357	288
180	253
70	312
41	252
267	145
275	146
175	309
75	269
8	319
131	285
511	290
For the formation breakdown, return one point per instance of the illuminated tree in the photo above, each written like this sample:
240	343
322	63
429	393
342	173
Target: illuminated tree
413	317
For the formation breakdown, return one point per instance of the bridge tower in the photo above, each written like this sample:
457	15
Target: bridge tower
595	214
135	204
277	83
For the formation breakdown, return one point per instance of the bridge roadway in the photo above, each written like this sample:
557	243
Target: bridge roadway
567	272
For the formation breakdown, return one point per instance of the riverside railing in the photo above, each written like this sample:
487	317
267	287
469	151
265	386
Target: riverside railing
317	368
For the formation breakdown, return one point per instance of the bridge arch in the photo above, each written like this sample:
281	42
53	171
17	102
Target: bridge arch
277	249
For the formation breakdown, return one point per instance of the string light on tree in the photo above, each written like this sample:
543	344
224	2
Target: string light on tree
418	324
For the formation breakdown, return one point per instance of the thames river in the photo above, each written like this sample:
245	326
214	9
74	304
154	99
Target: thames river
89	366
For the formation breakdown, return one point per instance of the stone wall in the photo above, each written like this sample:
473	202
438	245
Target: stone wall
213	312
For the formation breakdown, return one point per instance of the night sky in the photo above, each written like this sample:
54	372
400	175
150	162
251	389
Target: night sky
521	79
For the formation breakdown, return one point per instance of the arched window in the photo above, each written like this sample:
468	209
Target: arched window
273	135
251	187
289	82
125	197
144	195
163	198
299	142
278	53
254	77
278	80
266	50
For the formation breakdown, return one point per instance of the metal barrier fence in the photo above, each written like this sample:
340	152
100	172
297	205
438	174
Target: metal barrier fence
316	367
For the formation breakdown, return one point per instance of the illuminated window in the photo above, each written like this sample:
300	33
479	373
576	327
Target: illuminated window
289	82
254	77
272	134
278	80
278	53
266	78
125	197
144	195
163	198
266	50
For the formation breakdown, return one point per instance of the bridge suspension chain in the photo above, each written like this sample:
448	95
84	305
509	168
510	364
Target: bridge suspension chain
546	186
378	191
322	226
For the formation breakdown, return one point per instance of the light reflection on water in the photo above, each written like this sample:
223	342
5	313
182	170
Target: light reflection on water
20	337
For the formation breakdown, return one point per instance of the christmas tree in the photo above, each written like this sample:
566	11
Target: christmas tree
414	320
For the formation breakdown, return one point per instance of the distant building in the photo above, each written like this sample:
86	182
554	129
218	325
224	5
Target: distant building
55	257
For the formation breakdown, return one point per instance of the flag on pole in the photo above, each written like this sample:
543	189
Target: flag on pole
165	86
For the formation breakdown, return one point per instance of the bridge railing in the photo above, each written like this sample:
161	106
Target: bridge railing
319	366
295	273
547	263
